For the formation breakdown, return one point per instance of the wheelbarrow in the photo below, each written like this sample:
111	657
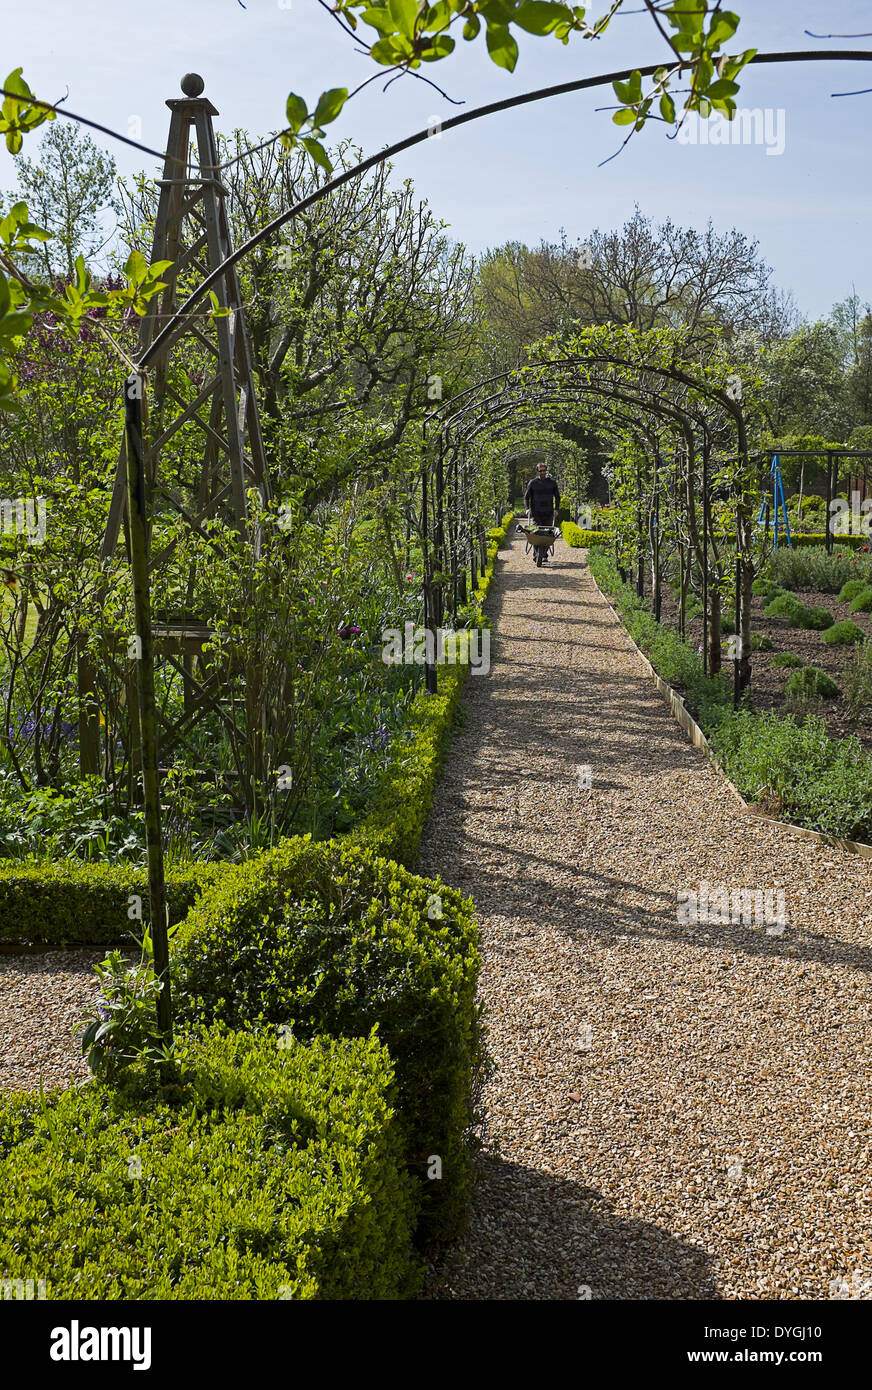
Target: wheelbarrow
539	540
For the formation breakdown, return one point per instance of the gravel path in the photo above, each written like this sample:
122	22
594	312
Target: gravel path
679	1110
42	996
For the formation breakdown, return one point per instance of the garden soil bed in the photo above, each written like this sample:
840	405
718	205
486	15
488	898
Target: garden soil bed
768	681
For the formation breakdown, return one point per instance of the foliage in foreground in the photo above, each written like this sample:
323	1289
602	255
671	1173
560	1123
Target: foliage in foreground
266	1169
327	938
94	904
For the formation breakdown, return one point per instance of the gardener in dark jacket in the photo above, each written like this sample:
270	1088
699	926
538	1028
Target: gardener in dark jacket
542	499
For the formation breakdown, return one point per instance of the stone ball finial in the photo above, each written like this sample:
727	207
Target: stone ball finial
193	84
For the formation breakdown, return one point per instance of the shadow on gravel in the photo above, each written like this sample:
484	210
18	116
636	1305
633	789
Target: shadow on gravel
539	1236
596	904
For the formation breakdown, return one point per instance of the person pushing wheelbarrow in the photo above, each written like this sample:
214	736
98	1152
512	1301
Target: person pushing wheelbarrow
542	501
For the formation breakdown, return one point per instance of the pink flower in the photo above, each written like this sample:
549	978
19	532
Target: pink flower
410	577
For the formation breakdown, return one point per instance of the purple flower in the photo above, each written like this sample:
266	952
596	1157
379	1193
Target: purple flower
349	630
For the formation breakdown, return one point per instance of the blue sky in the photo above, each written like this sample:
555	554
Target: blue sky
521	175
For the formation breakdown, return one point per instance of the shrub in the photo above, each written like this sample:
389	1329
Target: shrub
760	642
764	588
404	796
857	680
783	606
815	540
799	771
811	682
402	801
331	939
261	1172
576	537
814	569
814	619
787	659
67	902
842	633
851	589
862	601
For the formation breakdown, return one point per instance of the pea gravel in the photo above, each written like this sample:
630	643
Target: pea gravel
42	997
677	1111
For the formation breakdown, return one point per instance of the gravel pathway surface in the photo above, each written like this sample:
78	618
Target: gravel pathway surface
679	1109
42	996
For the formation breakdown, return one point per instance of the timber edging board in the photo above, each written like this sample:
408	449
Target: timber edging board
687	722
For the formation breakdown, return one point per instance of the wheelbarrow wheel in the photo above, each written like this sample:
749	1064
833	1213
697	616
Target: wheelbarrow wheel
539	550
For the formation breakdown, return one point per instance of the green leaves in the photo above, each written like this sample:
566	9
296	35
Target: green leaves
502	47
541	16
329	106
296	112
18	114
629	92
144	281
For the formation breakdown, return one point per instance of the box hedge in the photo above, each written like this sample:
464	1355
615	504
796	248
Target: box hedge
404	796
67	902
328	938
262	1172
576	537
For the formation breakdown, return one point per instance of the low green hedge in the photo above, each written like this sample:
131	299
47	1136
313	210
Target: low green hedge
402	802
862	600
68	902
676	661
261	1172
328	938
801	539
576	537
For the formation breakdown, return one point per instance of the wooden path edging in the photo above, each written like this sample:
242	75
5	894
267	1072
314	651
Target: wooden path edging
682	715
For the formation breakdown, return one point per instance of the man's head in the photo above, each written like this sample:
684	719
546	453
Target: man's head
541	469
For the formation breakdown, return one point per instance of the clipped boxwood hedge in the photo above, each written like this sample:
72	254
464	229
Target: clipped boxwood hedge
576	537
328	938
68	902
402	802
260	1173
800	539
